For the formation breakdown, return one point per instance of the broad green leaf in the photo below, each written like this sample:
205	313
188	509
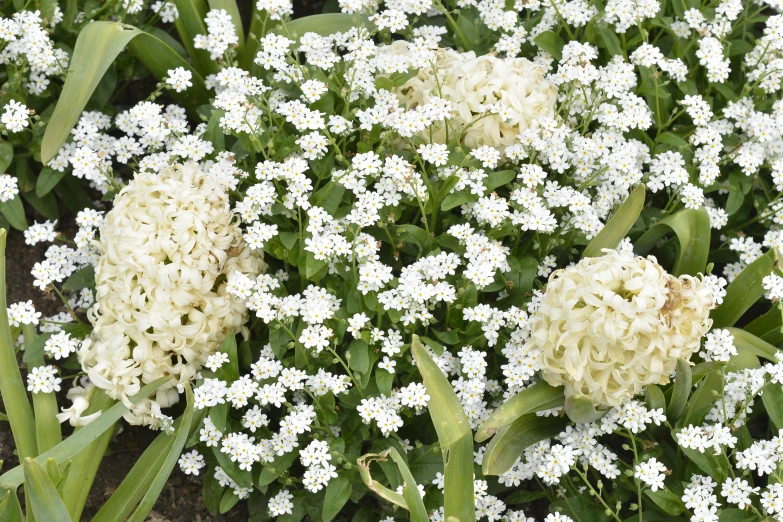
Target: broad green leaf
337	492
498	179
82	437
550	42
6	156
229	372
83	278
772	396
749	342
692	228
716	466
47	180
581	409
227	501
454	434
47	428
744	291
768	326
702	399
683	380
505	448
44	499
322	24
12	388
618	226
654	397
456	199
611	41
540	396
667	501
13	211
180	437
97	46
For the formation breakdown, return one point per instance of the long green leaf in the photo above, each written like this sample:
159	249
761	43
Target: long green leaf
540	396
768	326
618	226
410	490
10	510
683	380
12	388
505	448
230	6
13	211
47	428
180	437
454	434
97	46
190	23
744	291
692	228
363	463
701	400
136	482
44	499
323	24
82	437
759	347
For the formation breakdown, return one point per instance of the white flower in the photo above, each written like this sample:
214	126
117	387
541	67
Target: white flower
161	308
610	325
473	85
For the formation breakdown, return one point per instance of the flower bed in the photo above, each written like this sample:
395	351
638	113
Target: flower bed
411	260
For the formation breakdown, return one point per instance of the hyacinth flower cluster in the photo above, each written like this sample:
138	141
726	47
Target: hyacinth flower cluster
475	182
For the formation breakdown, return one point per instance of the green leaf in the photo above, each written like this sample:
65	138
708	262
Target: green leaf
692	228
505	448
359	356
136	482
12	388
683	380
410	490
667	501
180	437
716	466
701	400
618	226
228	501
581	409
454	434
35	349
82	278
337	493
744	291
190	23
229	372
97	46
322	24
456	199
47	180
654	397
6	155
772	397
10	510
551	43
611	41
82	437
749	342
13	211
540	396
498	179
44	499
